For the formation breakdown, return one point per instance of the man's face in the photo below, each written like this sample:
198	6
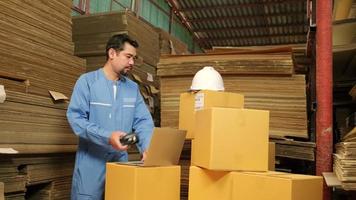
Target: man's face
123	61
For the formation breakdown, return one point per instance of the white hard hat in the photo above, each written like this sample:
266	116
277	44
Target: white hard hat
207	79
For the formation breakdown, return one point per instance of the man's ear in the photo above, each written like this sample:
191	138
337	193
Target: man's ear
112	53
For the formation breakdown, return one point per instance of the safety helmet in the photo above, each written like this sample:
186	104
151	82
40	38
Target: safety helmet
207	79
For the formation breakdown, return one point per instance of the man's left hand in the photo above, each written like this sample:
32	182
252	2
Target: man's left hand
144	155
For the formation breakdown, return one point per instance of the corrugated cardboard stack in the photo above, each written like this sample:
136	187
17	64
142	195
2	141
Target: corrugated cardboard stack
36	57
345	164
266	80
231	152
295	149
36	47
35	124
27	173
170	45
353	92
345	156
91	33
14	182
185	162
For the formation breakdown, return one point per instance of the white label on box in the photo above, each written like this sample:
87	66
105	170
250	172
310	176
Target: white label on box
149	77
199	101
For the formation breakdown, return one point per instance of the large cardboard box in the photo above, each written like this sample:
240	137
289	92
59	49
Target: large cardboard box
137	183
271	156
276	186
207	184
191	102
231	139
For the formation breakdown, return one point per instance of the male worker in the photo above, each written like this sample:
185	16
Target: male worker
106	105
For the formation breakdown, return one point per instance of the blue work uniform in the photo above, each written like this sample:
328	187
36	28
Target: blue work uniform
98	107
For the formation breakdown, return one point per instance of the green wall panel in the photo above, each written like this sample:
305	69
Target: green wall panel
97	6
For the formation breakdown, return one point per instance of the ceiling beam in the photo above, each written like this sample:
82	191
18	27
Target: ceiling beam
184	21
244	28
253	37
239	5
242	44
260	17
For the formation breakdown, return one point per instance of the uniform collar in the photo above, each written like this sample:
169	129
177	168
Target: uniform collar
122	77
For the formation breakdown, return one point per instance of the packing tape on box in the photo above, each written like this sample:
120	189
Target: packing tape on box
2	94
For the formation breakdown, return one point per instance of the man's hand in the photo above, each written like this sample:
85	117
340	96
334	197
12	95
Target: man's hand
114	141
144	156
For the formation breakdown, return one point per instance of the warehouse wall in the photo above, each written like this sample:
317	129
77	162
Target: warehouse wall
150	13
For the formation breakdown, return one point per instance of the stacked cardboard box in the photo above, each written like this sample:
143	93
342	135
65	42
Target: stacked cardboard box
189	104
35	121
91	33
36	47
36	57
253	185
185	163
231	152
151	181
228	139
142	182
171	45
14	182
345	163
37	175
345	156
266	80
295	149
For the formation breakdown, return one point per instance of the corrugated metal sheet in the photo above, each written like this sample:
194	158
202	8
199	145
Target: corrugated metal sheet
245	22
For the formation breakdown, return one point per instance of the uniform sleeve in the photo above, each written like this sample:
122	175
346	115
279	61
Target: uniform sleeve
143	123
78	115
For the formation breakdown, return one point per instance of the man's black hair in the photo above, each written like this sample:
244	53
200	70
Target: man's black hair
118	41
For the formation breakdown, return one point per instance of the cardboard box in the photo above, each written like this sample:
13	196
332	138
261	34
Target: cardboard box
271	156
192	102
276	186
206	184
271	185
231	139
136	183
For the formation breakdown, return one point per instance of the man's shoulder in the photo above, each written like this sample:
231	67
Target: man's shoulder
89	77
